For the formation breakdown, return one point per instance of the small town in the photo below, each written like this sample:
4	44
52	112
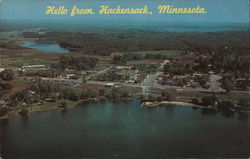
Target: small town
149	79
158	76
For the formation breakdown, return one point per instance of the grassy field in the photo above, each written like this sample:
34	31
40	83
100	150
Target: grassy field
189	95
15	58
144	62
18	85
169	53
48	106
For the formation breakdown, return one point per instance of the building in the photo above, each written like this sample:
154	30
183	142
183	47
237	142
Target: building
124	68
1	70
110	85
33	66
2	102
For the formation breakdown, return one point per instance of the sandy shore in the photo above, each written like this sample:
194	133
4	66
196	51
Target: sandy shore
4	117
186	104
155	104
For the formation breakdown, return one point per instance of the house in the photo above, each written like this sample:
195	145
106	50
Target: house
118	86
124	68
131	81
49	100
69	76
110	85
1	70
33	66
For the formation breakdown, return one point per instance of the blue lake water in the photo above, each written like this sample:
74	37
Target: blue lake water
122	130
51	47
92	25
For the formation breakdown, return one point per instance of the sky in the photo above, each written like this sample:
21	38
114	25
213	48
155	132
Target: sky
234	11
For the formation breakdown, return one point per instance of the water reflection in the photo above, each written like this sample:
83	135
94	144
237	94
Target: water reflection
243	116
169	108
208	111
195	108
25	121
228	113
4	124
64	111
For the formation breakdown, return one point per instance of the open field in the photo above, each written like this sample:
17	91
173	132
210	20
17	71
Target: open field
189	95
169	53
15	58
144	62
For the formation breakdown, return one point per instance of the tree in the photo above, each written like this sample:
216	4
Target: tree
209	100
77	63
159	98
5	86
225	105
245	103
63	104
195	101
53	96
13	103
102	92
74	96
163	94
3	111
84	95
125	94
24	112
151	98
7	75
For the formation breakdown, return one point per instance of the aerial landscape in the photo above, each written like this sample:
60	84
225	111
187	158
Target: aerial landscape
124	89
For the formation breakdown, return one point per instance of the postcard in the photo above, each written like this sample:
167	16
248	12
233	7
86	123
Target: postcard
93	79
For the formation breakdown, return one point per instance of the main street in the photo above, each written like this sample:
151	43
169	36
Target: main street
150	82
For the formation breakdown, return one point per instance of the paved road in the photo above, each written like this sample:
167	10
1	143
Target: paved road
214	84
149	81
98	73
79	81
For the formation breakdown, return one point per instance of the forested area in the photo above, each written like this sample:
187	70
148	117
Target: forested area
105	43
76	63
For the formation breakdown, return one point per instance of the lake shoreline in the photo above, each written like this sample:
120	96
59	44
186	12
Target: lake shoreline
15	113
181	103
41	46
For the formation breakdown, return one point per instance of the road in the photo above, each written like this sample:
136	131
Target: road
214	84
97	73
79	81
149	82
62	80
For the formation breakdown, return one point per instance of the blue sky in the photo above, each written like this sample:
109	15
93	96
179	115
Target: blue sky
217	10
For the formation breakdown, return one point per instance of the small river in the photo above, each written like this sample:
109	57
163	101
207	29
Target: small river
125	130
51	47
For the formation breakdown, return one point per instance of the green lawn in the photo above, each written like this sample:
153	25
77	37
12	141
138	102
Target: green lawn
48	106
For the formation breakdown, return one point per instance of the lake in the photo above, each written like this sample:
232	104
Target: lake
51	47
96	26
116	130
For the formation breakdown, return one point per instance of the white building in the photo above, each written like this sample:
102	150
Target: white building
1	70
